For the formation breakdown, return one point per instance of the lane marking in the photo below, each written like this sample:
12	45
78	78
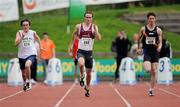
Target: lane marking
4	98
168	92
65	95
14	94
120	95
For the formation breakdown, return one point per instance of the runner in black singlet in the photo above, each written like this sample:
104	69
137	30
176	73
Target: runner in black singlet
152	42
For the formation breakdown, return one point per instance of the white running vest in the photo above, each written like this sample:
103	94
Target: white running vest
27	47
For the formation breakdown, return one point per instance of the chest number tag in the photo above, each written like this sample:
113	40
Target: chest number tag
150	40
26	43
86	41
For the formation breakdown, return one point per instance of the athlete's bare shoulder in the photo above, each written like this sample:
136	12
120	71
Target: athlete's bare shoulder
159	29
78	26
142	29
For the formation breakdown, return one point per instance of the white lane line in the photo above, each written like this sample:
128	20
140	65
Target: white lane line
168	92
4	98
61	100
119	94
14	94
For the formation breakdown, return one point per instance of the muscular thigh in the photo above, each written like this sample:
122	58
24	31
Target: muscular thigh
30	60
85	57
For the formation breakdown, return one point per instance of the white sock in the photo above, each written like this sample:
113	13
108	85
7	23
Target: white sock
28	80
151	89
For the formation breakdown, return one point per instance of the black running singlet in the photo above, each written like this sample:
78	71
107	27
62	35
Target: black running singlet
150	39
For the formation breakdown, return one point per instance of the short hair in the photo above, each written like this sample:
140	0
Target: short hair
151	14
88	12
25	20
45	33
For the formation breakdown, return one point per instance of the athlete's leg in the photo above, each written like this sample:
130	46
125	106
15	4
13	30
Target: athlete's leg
88	77
153	74
24	78
24	74
28	68
88	65
88	81
34	70
22	67
81	63
81	66
75	71
147	66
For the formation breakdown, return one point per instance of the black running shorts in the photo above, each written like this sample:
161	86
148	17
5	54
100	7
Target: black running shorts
87	55
151	55
22	62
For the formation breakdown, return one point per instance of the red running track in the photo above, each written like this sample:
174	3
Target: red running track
104	94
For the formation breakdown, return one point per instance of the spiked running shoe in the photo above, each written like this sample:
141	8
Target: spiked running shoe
29	86
87	94
24	87
81	82
150	93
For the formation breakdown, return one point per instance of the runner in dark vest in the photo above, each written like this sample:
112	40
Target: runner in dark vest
152	42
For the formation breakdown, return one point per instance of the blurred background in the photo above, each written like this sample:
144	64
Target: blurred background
58	18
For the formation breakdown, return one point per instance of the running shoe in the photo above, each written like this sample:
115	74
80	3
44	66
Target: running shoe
87	94
28	86
33	81
151	93
81	82
24	87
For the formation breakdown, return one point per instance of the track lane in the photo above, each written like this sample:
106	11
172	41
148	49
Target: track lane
101	95
6	90
138	97
41	96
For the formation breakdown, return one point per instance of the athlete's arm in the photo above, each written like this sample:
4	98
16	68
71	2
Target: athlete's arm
159	31
97	34
139	50
74	35
140	36
37	39
18	38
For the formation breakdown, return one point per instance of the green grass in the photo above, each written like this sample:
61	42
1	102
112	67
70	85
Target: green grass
108	20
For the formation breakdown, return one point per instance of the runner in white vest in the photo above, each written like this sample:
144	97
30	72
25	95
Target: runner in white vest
25	41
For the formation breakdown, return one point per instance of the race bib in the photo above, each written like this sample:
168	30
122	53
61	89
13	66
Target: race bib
86	41
150	40
26	43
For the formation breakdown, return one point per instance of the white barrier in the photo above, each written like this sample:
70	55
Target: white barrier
54	72
164	74
94	80
14	73
127	73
